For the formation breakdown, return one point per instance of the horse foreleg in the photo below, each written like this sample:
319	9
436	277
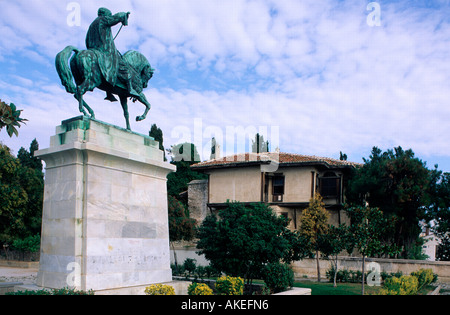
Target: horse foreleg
124	103
82	104
144	101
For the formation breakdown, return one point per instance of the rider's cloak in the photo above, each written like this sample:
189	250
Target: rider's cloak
99	38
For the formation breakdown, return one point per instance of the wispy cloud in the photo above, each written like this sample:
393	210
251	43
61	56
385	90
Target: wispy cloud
314	68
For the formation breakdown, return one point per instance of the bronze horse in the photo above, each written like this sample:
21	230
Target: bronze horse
85	69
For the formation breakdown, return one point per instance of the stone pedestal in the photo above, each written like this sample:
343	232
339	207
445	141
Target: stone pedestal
105	217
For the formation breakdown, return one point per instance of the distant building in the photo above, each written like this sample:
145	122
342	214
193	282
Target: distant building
431	242
285	181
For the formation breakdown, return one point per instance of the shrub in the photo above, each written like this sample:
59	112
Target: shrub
211	272
63	291
190	265
425	277
385	275
199	289
227	285
159	289
30	244
200	272
278	277
405	285
344	276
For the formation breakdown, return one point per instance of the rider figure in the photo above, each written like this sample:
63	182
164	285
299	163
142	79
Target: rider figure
112	64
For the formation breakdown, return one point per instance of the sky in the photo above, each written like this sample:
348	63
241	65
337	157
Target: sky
315	77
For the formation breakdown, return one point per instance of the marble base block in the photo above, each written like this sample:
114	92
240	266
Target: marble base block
105	217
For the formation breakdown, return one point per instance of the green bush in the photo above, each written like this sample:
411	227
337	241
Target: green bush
199	289
227	285
190	265
159	289
405	285
63	291
344	276
30	244
425	277
278	277
385	275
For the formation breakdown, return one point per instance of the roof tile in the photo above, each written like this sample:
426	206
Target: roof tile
282	158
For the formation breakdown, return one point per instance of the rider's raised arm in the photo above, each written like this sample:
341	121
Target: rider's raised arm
120	17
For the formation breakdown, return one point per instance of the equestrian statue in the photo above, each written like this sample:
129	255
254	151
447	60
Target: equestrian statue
103	66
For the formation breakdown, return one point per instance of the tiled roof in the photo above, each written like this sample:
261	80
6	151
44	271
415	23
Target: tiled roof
282	158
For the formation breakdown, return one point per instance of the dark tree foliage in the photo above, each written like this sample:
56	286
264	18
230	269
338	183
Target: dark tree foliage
181	227
259	145
244	238
398	183
183	156
21	194
10	118
157	134
439	213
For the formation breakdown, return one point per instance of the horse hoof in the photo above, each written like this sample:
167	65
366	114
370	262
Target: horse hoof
139	118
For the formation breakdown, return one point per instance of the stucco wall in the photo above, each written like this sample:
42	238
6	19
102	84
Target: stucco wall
240	184
297	184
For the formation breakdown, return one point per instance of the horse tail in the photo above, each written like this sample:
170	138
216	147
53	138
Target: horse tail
63	69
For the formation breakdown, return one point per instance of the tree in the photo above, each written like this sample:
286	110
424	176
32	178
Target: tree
183	156
368	229
439	213
215	148
10	118
342	156
398	183
157	134
333	242
21	195
33	182
28	159
314	222
259	145
245	238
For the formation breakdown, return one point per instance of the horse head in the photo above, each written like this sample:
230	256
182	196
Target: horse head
146	75
141	65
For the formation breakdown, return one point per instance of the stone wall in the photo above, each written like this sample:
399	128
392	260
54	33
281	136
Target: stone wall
198	199
308	267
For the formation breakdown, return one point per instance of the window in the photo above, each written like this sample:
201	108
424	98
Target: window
329	185
278	188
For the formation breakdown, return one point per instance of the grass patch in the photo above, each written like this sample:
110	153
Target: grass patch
326	288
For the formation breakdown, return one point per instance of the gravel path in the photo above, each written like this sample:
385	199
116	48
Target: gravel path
24	275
